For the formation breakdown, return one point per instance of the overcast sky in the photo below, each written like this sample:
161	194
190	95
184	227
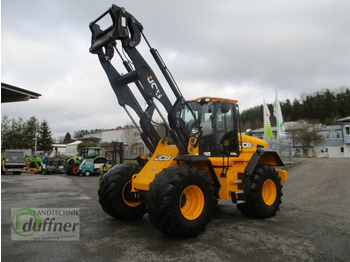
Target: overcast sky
244	50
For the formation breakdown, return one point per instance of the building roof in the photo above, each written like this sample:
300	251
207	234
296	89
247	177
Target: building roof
59	145
332	142
11	93
75	143
345	119
331	127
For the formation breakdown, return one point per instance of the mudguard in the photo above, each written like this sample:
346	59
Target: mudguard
263	156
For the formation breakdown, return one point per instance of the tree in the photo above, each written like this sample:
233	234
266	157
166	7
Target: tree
328	107
343	105
28	133
15	138
309	138
45	139
324	106
5	130
252	118
67	139
17	134
287	110
296	110
79	134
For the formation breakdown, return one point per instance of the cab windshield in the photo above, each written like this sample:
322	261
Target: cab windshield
214	120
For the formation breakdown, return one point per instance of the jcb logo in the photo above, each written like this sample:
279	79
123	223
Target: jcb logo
154	86
246	145
162	158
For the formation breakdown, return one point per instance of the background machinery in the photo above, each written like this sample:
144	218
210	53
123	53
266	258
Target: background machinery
72	164
92	166
12	161
203	158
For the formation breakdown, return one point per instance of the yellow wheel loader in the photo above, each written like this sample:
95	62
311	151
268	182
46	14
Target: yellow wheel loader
203	158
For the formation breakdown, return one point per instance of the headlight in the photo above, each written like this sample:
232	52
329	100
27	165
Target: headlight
195	130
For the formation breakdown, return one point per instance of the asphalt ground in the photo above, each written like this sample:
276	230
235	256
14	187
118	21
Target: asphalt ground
313	223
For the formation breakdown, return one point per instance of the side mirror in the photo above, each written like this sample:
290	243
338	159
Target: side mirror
225	107
248	132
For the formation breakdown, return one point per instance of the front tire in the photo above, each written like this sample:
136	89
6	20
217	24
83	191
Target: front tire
115	196
181	201
264	198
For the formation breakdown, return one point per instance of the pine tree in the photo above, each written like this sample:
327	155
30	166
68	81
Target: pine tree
11	133
287	110
45	139
297	110
324	106
28	132
5	130
67	139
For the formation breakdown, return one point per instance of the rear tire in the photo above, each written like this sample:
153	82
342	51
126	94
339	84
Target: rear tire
181	201
114	193
264	198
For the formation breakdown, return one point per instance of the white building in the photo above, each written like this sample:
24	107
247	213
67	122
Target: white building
345	123
117	134
336	138
128	135
333	144
72	148
59	149
121	134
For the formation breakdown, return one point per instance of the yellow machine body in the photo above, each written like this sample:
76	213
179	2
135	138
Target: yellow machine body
165	155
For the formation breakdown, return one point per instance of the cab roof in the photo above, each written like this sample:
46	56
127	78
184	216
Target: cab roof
214	99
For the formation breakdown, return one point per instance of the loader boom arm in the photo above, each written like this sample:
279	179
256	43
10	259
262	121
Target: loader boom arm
128	31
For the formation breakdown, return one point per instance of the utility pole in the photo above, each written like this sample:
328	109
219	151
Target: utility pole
36	137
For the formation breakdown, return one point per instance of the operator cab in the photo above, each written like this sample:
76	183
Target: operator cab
214	120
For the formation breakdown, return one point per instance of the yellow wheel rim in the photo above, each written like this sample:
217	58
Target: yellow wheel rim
192	202
126	190
269	192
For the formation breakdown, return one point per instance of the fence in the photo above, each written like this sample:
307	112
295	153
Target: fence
283	150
